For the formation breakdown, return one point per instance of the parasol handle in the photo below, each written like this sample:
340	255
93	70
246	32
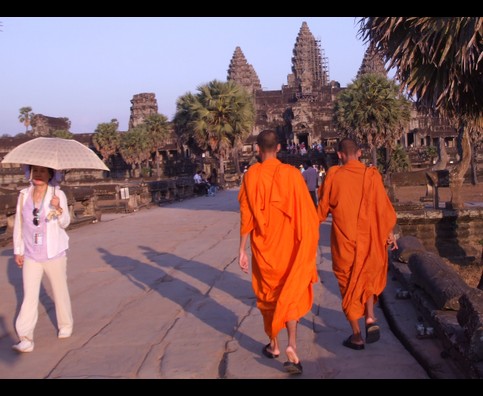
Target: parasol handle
55	201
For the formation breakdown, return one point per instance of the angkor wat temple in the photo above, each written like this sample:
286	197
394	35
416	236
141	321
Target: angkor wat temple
301	111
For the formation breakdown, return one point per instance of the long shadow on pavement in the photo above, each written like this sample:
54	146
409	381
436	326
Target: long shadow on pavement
193	300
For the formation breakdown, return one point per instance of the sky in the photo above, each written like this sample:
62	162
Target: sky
89	68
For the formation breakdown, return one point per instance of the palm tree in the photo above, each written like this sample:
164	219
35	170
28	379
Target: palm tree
400	161
439	61
183	117
372	111
217	119
26	116
135	147
157	128
106	139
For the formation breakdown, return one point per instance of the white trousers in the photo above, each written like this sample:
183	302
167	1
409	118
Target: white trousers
32	272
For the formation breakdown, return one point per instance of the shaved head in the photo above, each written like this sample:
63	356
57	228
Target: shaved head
267	141
348	146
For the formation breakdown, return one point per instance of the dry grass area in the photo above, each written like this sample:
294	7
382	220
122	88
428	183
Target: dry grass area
471	274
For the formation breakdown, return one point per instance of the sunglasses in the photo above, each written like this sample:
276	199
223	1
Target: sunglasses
36	219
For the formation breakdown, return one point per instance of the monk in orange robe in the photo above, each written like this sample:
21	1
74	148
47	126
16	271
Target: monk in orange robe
279	216
363	219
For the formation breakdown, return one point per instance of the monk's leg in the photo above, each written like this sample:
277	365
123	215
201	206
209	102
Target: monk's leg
369	314
356	332
291	350
267	315
274	347
372	328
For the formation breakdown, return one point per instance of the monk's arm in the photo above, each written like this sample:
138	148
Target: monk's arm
391	241
387	211
323	204
243	257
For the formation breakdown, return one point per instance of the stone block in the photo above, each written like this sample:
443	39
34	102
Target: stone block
407	245
439	280
470	318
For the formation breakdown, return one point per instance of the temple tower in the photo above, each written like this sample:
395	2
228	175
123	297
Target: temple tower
143	105
243	73
372	62
45	125
309	66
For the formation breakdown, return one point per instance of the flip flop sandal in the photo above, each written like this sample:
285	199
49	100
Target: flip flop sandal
293	368
372	333
267	353
349	344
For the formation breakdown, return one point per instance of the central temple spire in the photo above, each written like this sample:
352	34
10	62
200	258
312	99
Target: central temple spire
307	62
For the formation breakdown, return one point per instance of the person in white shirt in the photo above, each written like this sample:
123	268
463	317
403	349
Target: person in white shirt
201	185
40	245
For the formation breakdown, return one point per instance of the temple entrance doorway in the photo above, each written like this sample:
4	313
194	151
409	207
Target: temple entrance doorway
303	138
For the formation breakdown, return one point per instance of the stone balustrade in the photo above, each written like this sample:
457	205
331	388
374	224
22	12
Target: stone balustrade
452	307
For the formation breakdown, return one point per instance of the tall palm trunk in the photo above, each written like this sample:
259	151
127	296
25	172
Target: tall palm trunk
474	164
457	173
236	160
221	171
158	170
374	155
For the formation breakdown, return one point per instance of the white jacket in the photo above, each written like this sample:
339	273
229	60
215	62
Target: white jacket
56	239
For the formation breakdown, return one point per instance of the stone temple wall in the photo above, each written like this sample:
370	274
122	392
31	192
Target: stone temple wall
44	125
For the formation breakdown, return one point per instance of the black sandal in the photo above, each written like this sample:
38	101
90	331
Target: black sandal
293	368
267	353
373	333
349	344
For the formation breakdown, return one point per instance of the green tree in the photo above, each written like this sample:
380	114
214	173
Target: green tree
26	116
372	110
62	133
400	161
67	121
183	119
438	61
157	129
135	147
217	119
431	153
106	139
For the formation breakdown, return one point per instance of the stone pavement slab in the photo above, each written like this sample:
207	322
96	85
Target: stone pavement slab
158	294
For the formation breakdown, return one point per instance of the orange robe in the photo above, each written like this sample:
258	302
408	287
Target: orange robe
362	218
277	211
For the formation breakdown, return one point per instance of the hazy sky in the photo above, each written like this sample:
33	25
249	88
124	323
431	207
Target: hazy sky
88	68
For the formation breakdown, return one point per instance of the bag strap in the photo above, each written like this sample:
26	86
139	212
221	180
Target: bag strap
20	214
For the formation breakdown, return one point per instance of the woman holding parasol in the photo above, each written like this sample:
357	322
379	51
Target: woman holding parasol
40	240
40	246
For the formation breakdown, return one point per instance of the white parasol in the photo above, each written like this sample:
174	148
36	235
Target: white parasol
55	153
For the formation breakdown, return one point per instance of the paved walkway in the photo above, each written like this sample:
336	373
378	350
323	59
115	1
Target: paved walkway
159	294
